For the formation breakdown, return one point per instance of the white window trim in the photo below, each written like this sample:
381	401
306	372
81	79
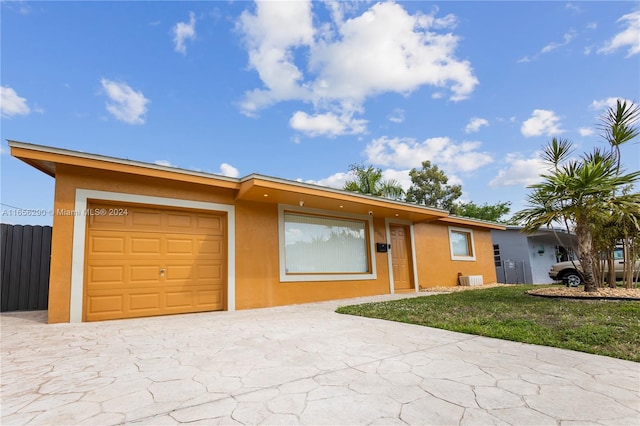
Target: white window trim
80	228
323	277
387	223
473	244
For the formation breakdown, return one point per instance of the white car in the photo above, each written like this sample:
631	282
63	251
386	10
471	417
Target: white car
570	272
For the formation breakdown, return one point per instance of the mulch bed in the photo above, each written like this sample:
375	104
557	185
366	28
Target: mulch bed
579	293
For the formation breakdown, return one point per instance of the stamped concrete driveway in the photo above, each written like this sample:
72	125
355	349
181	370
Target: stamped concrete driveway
299	364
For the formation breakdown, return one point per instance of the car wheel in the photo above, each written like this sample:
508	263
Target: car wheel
572	279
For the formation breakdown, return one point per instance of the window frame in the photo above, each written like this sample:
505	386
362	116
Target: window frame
497	259
470	243
310	277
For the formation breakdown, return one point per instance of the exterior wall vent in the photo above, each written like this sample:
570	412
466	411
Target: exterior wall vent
470	280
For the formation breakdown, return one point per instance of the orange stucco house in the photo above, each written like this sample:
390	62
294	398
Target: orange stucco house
133	239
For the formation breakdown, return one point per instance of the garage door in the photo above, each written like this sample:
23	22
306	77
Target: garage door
143	261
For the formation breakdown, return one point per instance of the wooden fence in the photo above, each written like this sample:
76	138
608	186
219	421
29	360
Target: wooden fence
25	255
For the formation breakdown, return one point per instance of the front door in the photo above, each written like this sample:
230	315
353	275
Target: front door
401	257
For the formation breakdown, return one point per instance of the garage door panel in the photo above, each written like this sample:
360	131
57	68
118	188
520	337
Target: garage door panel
209	272
181	221
211	298
210	246
110	304
145	218
145	245
212	225
177	299
179	273
145	302
100	244
181	246
106	220
106	274
142	274
125	258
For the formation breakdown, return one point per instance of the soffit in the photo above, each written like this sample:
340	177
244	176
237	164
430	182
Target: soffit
270	190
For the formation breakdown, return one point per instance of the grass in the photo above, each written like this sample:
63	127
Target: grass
609	328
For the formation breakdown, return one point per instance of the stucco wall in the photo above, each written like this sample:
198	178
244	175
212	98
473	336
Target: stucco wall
257	265
433	256
514	247
257	276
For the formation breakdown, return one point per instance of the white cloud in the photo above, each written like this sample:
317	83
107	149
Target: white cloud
336	180
165	163
271	35
326	124
11	103
573	7
183	31
542	122
520	171
566	39
335	66
400	176
125	104
397	116
406	153
228	170
20	6
388	50
628	37
585	131
475	124
602	104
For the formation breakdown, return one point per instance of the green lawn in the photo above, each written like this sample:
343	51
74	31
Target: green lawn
610	328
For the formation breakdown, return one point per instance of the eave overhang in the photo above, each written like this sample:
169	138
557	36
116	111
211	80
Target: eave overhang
467	221
46	159
266	189
254	187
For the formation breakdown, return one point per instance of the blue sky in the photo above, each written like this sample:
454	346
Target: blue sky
301	90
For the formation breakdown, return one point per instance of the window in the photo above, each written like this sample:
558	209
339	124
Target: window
618	254
316	246
461	244
496	255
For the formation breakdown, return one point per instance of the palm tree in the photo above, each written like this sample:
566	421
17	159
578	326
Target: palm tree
369	181
618	126
573	193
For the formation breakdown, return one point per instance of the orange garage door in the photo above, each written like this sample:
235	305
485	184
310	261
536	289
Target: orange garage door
145	261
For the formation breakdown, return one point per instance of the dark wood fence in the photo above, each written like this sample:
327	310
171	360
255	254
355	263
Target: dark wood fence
25	256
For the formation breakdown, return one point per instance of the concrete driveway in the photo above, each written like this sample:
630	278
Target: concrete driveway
299	364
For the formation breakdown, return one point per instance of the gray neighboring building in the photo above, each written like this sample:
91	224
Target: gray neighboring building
526	258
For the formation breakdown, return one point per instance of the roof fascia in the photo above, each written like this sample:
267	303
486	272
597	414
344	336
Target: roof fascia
458	220
38	155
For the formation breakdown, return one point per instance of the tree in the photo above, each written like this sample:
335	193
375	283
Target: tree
618	126
368	180
429	187
485	211
574	193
